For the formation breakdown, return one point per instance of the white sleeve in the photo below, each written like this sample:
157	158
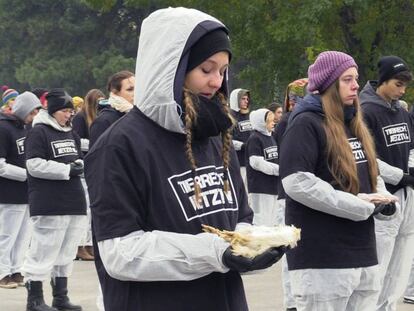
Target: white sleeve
390	174
237	144
84	144
411	158
242	225
11	171
47	169
381	189
260	164
162	256
381	186
313	192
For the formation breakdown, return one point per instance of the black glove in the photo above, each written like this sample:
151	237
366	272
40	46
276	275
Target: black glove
76	168
411	171
406	180
262	261
385	209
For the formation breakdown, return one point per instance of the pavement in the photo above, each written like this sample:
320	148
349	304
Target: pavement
264	291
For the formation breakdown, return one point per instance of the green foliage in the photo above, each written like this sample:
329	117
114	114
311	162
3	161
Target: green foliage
64	44
79	43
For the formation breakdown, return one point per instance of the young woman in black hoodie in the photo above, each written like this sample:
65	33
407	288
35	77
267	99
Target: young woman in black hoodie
14	208
57	202
330	175
167	168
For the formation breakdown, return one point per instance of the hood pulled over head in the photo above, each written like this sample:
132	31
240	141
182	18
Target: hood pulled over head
235	97
258	120
166	38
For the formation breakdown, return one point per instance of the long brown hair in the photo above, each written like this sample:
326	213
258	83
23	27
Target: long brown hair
190	119
341	161
90	106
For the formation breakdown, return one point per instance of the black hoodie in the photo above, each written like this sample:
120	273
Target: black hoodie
391	128
12	137
328	241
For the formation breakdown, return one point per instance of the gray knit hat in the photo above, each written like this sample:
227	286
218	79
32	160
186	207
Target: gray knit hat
25	103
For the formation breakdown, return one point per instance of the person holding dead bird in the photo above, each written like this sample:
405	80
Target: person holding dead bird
169	168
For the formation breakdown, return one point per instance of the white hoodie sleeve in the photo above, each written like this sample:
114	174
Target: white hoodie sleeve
381	186
381	189
390	174
162	256
237	144
315	193
411	158
11	171
260	164
84	144
48	169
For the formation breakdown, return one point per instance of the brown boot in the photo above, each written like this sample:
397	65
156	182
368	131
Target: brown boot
17	278
89	249
83	254
7	282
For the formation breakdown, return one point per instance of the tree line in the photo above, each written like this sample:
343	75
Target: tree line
77	44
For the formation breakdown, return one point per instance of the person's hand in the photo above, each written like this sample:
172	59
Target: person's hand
411	171
377	198
385	209
244	264
76	168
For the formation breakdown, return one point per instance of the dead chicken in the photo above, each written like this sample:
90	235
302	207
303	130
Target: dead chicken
250	241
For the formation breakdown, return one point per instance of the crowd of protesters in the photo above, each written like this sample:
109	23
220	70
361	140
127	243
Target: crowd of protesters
127	179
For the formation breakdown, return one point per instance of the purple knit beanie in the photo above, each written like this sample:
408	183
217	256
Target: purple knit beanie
327	68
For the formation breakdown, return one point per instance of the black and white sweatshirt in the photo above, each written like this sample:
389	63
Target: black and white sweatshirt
152	254
243	128
337	226
261	157
49	149
13	184
392	129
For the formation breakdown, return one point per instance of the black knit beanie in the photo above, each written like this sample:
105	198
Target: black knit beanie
39	91
389	66
213	42
58	99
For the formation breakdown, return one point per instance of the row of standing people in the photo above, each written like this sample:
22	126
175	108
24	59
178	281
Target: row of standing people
149	195
361	283
148	230
42	179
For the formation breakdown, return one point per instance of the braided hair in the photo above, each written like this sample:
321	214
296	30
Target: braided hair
190	119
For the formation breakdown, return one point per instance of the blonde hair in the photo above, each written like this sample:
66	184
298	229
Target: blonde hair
190	103
341	161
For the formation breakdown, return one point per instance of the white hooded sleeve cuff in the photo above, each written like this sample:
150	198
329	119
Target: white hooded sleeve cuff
390	174
84	144
237	144
11	171
260	164
315	193
48	169
162	256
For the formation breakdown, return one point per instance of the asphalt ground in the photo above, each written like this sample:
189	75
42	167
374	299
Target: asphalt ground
264	291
